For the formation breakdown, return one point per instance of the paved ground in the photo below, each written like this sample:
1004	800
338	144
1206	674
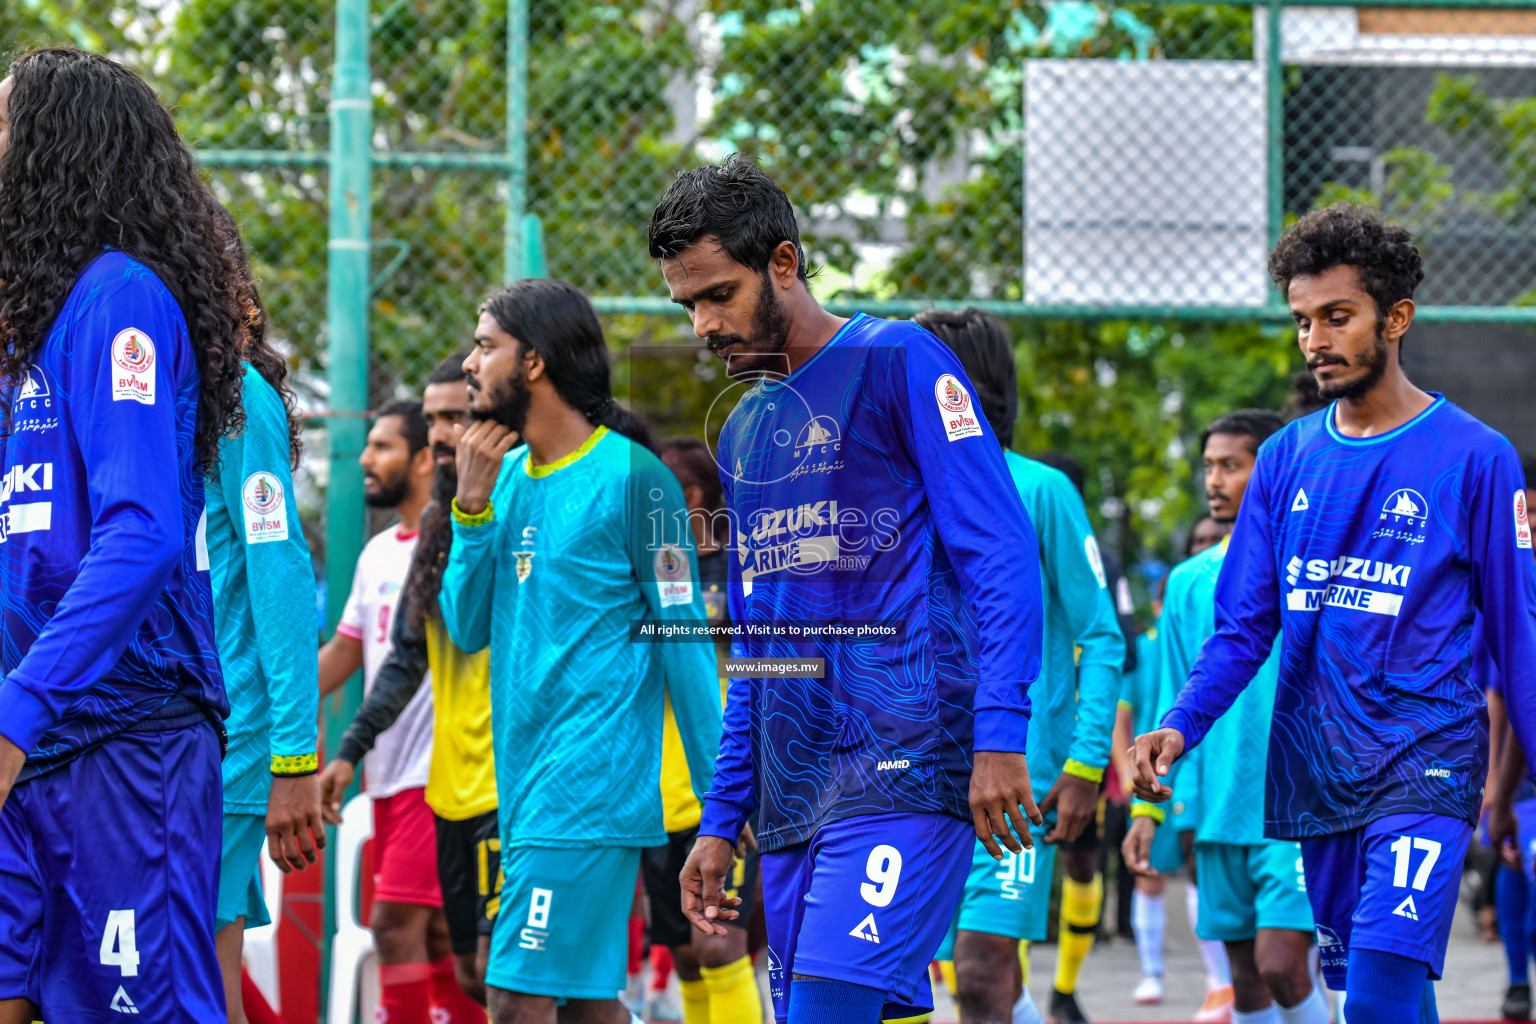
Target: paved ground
1472	989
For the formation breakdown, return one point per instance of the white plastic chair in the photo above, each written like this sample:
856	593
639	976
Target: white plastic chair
352	945
261	943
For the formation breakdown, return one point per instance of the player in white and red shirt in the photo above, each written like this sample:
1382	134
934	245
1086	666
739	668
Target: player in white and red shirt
415	959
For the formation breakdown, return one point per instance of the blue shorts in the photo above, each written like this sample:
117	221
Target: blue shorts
109	870
240	872
1246	887
1525	816
562	928
867	900
1390	887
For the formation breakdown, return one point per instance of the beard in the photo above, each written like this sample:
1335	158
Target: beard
387	495
445	483
507	403
763	348
1374	363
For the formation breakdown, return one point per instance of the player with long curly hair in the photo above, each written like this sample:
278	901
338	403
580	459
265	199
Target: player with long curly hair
124	316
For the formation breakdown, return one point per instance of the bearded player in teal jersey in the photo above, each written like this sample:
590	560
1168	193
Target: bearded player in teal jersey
1253	893
1074	713
561	548
257	561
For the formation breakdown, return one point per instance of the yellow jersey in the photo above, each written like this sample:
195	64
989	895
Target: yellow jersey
462	781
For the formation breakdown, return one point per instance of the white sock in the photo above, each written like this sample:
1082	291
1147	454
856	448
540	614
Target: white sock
1025	1011
1149	920
634	1019
1269	1015
1311	1010
1218	971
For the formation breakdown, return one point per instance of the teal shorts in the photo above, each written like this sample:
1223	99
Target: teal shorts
1011	897
1167	854
1245	888
240	872
563	926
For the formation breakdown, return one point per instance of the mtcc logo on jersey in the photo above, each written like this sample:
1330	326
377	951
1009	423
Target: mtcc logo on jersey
1406	507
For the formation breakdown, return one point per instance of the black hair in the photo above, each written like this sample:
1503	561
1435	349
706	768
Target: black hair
260	352
1068	465
558	322
1254	424
413	423
94	163
690	460
735	202
981	341
450	370
1347	235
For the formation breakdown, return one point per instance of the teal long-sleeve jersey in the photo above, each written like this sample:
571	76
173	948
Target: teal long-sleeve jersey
558	576
258	562
1074	700
1219	779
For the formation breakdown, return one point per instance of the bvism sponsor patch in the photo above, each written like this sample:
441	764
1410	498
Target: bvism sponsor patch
266	517
1096	560
955	408
133	367
672	577
1522	522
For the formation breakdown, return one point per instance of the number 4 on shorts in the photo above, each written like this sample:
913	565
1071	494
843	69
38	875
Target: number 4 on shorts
118	947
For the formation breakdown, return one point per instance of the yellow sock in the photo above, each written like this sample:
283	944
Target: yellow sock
947	972
695	1001
922	1018
1024	960
1080	907
733	994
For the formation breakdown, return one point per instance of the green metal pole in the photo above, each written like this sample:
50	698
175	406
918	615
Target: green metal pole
517	130
1275	94
347	323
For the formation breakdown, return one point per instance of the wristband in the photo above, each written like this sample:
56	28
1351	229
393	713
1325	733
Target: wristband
1157	814
1083	771
296	766
478	519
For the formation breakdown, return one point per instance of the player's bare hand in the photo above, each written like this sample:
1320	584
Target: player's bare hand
294	829
1137	848
705	903
1151	759
482	447
999	789
1076	801
1503	831
338	775
12	759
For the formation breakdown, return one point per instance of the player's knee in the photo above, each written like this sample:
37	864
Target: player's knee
716	950
515	1008
985	968
1288	981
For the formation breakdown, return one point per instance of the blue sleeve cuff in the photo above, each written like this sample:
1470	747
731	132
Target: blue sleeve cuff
1005	730
722	820
1178	718
24	718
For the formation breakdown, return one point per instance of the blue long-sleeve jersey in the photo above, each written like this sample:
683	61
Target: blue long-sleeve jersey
1372	557
104	588
867	487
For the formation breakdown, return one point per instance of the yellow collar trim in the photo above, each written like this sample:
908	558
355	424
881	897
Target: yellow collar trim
586	446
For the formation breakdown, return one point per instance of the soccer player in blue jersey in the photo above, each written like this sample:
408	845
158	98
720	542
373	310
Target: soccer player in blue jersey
1371	535
258	560
866	492
1070	727
123	308
564	550
1253	894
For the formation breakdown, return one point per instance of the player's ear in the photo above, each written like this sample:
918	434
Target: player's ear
784	265
533	365
1399	318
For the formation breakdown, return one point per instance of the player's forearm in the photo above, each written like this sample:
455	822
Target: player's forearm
338	661
732	795
469	580
1098	693
285	635
398	680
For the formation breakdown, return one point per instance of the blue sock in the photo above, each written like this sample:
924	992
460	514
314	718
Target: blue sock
819	1001
1512	899
1384	988
1429	1013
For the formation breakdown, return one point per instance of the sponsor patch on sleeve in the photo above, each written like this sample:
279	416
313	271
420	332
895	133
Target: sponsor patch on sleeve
266	517
1091	549
133	367
1522	522
955	408
673	580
